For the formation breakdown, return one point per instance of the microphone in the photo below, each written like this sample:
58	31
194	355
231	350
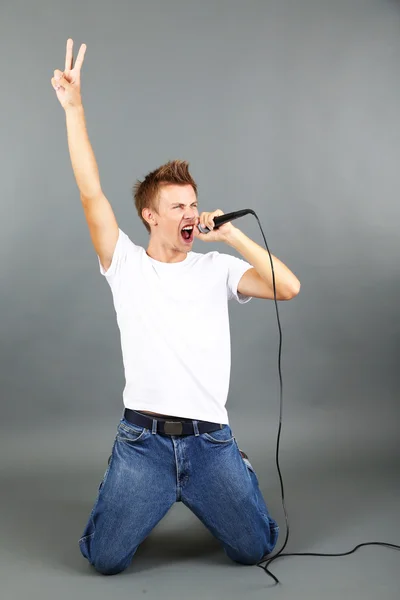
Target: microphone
222	219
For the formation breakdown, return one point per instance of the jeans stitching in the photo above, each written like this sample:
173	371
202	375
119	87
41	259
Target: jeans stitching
128	440
215	441
133	428
209	437
86	537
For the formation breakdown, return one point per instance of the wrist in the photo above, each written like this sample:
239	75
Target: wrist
233	236
74	108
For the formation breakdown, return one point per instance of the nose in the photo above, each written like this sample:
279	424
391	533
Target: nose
190	214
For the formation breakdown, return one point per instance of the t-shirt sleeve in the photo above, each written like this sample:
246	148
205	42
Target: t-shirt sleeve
121	251
235	268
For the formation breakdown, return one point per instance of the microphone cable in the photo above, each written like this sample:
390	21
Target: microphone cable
267	558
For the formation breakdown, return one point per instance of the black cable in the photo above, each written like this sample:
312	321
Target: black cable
280	552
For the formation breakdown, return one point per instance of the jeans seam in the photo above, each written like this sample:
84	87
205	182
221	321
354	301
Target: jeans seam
129	440
86	537
131	429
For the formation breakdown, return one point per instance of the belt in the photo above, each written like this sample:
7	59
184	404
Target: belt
169	427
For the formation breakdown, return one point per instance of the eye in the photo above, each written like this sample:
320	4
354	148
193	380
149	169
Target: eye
181	206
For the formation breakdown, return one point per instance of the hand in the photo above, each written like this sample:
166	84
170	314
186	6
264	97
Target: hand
220	234
68	83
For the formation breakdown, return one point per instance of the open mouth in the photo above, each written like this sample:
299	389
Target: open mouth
187	233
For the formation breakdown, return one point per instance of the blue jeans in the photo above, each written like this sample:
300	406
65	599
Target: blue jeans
148	472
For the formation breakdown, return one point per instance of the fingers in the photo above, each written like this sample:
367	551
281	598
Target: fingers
80	57
59	81
207	218
202	219
55	84
69	55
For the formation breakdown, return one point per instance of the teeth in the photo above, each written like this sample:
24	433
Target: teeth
188	228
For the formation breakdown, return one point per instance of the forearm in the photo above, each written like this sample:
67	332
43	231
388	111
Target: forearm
82	156
258	257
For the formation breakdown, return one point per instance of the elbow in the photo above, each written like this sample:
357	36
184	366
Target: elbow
292	290
90	194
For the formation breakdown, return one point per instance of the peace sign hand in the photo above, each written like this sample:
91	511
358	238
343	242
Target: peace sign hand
68	83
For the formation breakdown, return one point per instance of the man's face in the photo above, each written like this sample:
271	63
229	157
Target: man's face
177	209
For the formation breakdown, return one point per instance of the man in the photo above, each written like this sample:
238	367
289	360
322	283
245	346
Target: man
174	442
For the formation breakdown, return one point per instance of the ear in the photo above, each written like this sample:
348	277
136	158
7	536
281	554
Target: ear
149	216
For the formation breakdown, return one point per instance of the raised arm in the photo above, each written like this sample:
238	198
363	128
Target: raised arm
99	215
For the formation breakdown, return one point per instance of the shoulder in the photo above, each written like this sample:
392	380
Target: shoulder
125	249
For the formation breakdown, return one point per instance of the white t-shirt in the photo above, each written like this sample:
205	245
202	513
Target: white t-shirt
174	326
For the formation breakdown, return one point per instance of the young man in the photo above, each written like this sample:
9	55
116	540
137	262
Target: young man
174	442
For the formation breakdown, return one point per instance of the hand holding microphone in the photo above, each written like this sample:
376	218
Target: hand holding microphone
211	222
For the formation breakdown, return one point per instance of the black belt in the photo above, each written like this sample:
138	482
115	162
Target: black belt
169	427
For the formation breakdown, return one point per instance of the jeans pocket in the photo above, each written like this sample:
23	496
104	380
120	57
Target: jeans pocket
131	433
220	436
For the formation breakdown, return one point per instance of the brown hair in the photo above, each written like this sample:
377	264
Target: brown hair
146	192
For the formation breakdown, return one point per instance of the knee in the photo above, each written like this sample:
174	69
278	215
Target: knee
246	558
108	567
108	564
254	551
103	559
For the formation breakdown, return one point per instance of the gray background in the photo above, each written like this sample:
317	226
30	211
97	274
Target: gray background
287	107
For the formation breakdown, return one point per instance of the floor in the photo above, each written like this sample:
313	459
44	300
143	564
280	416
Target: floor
340	490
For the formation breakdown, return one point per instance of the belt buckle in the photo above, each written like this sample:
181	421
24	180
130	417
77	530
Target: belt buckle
173	427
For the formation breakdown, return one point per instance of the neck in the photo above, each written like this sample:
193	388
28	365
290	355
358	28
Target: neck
164	253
